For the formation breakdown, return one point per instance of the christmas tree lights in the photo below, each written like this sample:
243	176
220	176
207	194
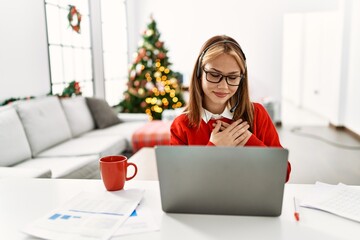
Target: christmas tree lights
152	86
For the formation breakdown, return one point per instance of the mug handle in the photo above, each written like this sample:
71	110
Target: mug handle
133	164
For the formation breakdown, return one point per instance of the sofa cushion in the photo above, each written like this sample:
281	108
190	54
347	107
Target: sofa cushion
100	146
102	113
78	115
44	122
125	129
15	172
14	146
69	167
132	117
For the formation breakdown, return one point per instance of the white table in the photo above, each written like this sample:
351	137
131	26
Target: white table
24	200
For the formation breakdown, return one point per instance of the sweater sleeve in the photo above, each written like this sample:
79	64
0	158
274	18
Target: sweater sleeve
264	132
177	135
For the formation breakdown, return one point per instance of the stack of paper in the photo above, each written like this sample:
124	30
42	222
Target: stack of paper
340	199
88	216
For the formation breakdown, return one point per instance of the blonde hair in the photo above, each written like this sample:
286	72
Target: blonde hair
214	47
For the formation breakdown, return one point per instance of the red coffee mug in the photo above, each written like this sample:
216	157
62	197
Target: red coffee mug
113	171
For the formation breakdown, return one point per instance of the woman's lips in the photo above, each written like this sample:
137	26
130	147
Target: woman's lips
220	94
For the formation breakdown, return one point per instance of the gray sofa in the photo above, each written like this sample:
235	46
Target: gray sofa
59	138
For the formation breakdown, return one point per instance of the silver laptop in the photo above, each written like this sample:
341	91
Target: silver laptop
222	180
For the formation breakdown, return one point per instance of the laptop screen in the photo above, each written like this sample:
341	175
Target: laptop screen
222	180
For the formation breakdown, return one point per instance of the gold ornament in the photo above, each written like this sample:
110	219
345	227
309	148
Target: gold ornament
157	74
141	91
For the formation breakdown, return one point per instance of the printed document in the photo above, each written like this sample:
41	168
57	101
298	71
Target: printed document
88	216
340	199
140	221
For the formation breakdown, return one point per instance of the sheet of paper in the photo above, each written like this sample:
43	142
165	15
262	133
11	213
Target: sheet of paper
140	221
338	199
87	216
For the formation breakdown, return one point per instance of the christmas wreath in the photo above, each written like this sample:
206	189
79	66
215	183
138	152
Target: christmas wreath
73	12
71	90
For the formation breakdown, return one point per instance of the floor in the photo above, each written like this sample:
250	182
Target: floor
318	152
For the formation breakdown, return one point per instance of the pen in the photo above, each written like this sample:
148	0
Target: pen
296	212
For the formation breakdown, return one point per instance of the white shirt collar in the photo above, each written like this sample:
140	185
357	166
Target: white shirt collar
206	115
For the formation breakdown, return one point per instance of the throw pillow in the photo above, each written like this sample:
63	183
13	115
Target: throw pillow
78	115
102	113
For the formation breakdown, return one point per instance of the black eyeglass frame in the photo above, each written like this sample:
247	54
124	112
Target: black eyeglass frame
222	77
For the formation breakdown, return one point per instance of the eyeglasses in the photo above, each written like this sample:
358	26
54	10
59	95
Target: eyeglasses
215	77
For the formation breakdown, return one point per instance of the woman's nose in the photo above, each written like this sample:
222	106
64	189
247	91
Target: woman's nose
222	83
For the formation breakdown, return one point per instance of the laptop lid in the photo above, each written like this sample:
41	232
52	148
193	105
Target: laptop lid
222	180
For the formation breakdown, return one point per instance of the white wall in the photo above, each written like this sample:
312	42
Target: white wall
322	63
185	25
293	58
321	58
97	48
311	54
352	107
24	67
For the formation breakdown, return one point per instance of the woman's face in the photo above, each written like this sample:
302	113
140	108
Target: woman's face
216	95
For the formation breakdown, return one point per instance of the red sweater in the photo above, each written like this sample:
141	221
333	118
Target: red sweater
263	132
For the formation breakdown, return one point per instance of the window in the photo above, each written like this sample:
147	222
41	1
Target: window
114	33
70	52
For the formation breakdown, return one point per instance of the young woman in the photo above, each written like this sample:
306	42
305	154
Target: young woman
219	112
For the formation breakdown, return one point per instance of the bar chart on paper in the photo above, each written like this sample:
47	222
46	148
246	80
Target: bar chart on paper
58	216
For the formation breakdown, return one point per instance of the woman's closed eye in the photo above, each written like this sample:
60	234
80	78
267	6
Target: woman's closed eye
215	74
233	77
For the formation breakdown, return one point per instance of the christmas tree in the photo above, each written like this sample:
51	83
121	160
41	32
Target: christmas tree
152	86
